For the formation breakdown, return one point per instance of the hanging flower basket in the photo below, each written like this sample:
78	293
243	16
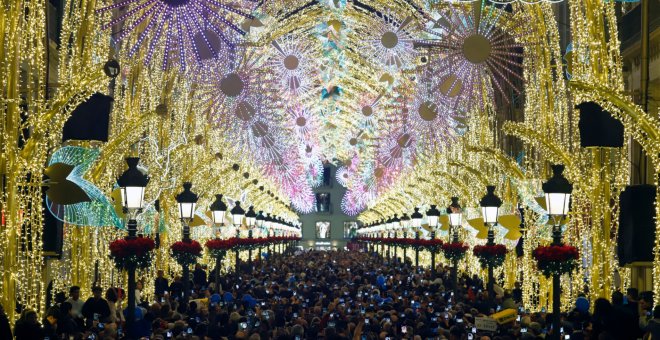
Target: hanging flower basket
133	253
186	253
454	250
218	247
250	243
555	259
432	245
493	255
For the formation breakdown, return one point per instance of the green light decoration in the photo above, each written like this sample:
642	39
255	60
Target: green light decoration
99	211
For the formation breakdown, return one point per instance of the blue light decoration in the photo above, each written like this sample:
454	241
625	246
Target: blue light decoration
99	211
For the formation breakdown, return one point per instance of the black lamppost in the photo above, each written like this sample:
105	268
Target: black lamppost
490	206
259	222
218	211
557	199
432	217
268	223
132	184
402	223
395	223
237	214
416	224
250	220
187	201
455	213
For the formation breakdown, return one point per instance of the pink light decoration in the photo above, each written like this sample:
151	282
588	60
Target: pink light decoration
467	60
390	43
186	30
293	65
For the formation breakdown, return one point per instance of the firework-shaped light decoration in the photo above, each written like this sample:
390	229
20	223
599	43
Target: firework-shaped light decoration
293	66
183	30
303	122
468	53
390	43
431	122
240	99
368	112
398	149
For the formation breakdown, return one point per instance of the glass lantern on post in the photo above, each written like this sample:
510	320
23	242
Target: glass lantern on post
132	184
558	192
218	212
490	206
187	201
455	213
432	217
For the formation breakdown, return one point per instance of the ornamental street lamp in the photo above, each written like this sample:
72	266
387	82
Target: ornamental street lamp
416	219
406	222
557	199
395	223
218	211
250	220
260	220
187	201
432	217
490	206
455	213
251	217
132	184
237	214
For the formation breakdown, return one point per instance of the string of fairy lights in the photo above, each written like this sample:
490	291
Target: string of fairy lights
395	93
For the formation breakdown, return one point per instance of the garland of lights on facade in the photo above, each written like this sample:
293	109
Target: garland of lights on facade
250	100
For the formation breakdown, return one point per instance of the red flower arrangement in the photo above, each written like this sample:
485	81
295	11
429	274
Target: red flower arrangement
454	251
432	245
490	254
186	252
556	259
217	247
132	252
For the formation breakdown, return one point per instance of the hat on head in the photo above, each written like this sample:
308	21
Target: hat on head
582	304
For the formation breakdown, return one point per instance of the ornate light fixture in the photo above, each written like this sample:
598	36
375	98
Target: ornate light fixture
237	214
218	210
490	206
432	216
132	184
251	217
455	213
187	201
416	219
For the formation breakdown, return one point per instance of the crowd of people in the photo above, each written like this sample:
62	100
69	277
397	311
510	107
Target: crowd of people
332	295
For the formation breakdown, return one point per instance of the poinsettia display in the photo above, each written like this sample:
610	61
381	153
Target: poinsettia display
432	245
454	250
556	259
218	247
490	254
186	252
132	252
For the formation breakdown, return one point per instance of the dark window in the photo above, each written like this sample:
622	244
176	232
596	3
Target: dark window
327	178
323	202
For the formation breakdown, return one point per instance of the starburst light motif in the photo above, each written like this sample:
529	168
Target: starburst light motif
390	44
184	30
